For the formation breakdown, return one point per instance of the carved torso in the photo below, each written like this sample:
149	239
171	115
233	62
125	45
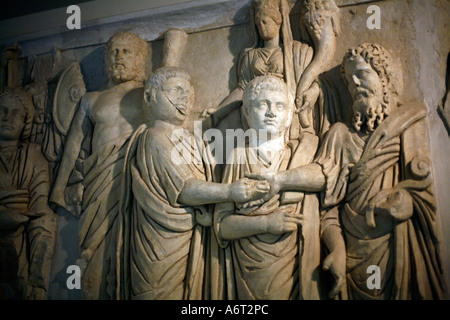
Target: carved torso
115	112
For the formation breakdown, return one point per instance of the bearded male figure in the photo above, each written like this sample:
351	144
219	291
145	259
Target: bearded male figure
374	178
113	114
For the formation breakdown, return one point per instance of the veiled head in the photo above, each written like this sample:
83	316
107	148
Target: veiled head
268	18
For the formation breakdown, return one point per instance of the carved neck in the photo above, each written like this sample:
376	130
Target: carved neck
126	85
8	145
273	145
272	43
165	126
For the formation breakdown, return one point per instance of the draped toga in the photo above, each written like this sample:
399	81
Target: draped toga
98	223
26	251
267	266
161	246
356	170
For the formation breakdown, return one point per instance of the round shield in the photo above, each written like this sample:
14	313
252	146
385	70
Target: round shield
68	93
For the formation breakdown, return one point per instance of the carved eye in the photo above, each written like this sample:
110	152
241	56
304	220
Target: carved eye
280	106
261	105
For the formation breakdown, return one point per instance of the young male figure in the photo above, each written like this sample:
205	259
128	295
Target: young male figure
374	178
27	225
265	254
162	252
113	114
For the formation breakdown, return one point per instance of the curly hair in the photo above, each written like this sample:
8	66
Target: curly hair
156	80
139	46
381	62
23	98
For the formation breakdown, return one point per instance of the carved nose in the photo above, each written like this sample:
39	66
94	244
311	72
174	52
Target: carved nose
356	80
270	113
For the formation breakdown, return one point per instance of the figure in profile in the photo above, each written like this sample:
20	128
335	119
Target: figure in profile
374	177
164	202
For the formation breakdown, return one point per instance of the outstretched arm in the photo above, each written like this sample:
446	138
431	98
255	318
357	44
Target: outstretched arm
71	151
309	178
199	192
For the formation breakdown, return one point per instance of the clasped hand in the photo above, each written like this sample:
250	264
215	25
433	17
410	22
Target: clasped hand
395	203
266	185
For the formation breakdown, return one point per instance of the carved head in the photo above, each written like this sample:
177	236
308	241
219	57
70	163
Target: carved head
169	94
268	18
369	76
16	115
315	14
125	57
267	105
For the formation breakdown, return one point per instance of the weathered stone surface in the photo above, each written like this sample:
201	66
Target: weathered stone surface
96	154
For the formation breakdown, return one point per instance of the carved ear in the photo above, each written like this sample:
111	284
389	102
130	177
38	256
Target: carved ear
148	96
245	110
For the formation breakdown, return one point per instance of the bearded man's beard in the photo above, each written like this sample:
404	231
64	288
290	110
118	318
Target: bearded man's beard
369	113
120	73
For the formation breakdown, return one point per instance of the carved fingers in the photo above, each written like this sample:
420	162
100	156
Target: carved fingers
206	113
395	203
245	190
336	264
203	217
306	100
283	220
271	178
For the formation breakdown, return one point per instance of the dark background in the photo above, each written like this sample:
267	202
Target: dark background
15	8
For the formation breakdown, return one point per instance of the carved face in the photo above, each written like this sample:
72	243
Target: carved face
12	119
122	61
366	89
363	81
173	101
267	27
269	111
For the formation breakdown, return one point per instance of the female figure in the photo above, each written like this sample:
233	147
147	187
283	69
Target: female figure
297	63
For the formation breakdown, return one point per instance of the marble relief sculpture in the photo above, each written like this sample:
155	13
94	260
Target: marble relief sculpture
374	179
262	242
274	52
112	115
164	203
27	224
300	210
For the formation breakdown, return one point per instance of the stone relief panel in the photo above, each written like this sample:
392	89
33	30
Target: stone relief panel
27	224
276	159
